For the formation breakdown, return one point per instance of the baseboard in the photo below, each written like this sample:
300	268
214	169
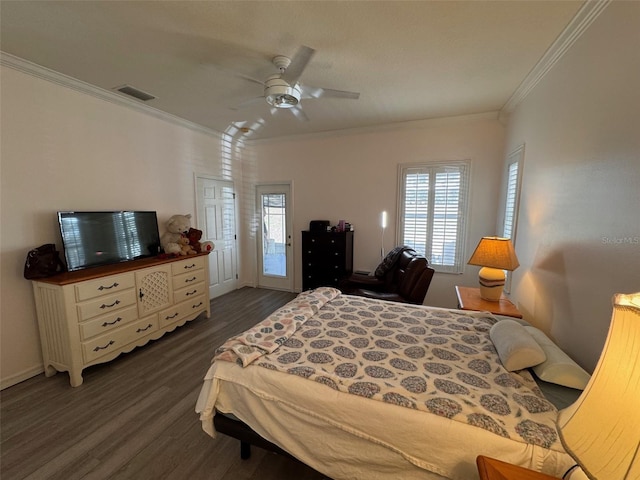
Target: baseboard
21	377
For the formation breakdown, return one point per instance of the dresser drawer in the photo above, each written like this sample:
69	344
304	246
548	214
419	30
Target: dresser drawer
108	322
189	265
106	304
187	309
118	338
192	291
188	279
103	286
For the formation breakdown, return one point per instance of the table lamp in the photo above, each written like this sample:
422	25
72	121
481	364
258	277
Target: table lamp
601	430
494	255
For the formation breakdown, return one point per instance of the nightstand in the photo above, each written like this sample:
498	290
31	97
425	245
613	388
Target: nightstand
492	469
469	299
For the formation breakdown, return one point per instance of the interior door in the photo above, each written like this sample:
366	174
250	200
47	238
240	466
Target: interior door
216	217
275	246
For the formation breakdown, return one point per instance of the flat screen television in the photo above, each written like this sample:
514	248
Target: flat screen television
91	239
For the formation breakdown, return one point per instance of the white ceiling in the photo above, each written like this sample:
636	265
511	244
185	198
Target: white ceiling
409	60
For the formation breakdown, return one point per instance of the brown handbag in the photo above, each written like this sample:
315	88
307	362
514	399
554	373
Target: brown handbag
42	262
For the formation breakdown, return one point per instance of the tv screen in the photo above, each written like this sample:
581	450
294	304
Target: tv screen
91	239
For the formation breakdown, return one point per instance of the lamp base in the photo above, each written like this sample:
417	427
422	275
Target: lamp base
491	283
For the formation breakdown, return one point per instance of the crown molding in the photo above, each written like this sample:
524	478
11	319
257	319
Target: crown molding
35	70
578	25
580	22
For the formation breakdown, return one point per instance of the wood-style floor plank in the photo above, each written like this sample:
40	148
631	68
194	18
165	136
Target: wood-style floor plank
134	418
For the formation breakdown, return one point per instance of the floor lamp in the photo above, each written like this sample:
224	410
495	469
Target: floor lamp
383	225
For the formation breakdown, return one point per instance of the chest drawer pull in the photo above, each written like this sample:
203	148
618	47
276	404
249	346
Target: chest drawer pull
117	302
106	324
144	329
192	279
102	287
188	294
189	267
196	306
97	349
169	317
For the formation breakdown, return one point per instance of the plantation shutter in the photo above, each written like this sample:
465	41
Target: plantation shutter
416	202
433	216
510	204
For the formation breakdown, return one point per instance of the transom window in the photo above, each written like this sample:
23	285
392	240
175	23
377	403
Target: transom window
433	210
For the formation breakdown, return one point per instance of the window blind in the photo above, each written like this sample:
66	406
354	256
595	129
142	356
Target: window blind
509	224
510	204
433	212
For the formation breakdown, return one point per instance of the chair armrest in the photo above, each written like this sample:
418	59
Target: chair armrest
357	280
388	296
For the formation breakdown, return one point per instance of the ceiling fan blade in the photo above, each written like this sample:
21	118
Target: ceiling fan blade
298	64
249	103
299	114
295	111
317	92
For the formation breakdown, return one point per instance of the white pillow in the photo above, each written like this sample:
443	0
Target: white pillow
558	368
516	347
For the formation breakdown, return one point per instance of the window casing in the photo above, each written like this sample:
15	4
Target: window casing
433	206
508	225
512	201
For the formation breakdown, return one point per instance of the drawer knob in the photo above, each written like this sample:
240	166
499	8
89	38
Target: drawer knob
102	287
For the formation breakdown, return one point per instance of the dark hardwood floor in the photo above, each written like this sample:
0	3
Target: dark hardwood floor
134	418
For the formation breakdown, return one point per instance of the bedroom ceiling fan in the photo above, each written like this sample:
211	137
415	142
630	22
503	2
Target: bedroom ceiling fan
284	91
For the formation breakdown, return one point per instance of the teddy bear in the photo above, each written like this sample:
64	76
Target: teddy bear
176	226
194	235
185	247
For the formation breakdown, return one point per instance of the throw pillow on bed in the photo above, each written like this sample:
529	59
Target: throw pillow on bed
558	368
516	348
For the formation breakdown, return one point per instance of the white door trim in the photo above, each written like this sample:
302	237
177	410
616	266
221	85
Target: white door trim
278	283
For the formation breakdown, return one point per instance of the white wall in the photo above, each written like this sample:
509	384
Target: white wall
578	235
353	176
63	150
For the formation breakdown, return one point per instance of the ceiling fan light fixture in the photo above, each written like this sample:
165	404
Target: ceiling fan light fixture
280	94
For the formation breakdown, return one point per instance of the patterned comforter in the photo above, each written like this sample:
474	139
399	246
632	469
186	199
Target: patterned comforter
433	360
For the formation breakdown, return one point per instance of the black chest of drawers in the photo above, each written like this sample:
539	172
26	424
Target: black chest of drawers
327	257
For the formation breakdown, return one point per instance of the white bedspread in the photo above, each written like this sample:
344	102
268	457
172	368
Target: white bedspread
348	436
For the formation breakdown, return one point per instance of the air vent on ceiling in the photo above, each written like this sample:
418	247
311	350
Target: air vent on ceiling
136	93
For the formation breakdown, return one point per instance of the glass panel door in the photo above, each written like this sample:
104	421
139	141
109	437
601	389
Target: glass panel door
275	244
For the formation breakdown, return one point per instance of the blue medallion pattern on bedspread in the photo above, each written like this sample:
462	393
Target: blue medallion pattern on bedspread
436	360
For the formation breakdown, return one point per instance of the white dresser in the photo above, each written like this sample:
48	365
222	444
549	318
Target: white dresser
91	316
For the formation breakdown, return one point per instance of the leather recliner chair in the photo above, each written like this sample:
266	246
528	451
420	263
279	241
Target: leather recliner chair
403	276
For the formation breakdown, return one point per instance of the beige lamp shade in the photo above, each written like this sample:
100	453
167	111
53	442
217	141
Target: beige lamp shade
601	430
495	255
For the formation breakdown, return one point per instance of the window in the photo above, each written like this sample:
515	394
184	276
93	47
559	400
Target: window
433	211
512	200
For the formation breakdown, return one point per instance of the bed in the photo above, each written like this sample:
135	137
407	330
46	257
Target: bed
363	388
